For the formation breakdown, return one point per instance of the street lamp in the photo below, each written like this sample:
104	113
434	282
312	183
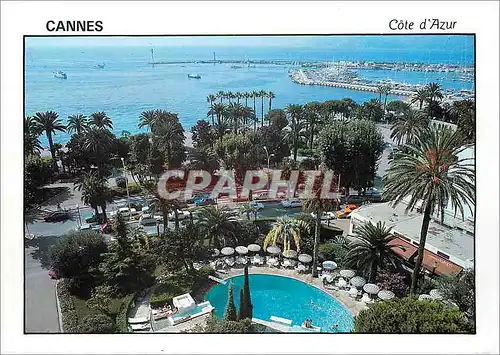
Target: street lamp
126	185
268	156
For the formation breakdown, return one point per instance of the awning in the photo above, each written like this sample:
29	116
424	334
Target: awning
403	248
438	265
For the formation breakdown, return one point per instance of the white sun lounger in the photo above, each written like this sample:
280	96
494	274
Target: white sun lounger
281	320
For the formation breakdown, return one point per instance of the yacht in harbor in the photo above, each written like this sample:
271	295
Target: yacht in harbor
194	76
60	74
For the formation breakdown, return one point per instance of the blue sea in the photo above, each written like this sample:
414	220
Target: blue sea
129	85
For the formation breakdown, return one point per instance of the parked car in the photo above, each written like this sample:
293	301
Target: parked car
53	274
147	219
256	205
57	216
180	215
125	212
291	203
205	202
324	215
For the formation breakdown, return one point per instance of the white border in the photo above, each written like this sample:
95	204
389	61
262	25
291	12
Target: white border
20	18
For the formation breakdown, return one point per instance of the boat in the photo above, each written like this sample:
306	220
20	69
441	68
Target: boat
236	67
99	66
60	74
194	76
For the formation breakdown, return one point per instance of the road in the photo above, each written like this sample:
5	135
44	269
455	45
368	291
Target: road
40	301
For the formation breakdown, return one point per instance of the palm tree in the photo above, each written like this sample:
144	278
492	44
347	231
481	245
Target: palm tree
314	203
429	171
270	96
220	110
255	94
262	95
31	142
220	95
203	159
434	93
100	120
235	113
49	123
371	250
211	99
77	123
406	128
297	127
247	95
219	225
284	231
148	118
420	97
312	111
168	133
95	192
248	209
386	91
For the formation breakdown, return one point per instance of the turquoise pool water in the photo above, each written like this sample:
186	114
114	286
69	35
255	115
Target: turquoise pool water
286	298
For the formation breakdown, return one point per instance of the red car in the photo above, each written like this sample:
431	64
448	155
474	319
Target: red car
53	274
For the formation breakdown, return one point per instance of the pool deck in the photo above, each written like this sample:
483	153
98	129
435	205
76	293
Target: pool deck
342	296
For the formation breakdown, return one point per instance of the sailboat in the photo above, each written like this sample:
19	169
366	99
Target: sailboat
99	66
60	74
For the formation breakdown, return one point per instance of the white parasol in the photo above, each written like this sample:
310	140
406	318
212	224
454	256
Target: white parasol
241	249
358	281
227	251
385	295
273	249
371	288
305	258
291	254
342	283
254	247
329	265
347	273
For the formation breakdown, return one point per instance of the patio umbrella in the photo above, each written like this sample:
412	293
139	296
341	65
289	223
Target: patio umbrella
254	248
305	258
425	297
273	249
241	249
347	273
358	281
385	295
227	251
371	288
436	295
215	253
329	265
290	254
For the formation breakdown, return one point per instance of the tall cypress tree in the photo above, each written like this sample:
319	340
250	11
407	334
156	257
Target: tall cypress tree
246	294
242	314
230	313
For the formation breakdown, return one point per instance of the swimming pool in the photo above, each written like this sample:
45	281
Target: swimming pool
287	298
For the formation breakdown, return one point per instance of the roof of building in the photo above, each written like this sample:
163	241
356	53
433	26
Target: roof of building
450	241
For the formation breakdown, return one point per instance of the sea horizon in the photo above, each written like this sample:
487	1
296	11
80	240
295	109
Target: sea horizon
129	84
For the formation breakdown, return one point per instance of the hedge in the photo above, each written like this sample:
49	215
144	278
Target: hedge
122	316
68	313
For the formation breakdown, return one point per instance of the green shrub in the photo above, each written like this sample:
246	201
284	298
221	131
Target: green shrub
97	323
162	299
70	321
327	251
409	315
122	316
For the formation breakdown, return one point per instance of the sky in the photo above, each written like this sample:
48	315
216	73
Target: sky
341	42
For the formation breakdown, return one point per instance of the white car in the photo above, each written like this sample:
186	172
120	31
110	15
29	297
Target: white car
181	215
124	212
291	203
324	216
256	205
